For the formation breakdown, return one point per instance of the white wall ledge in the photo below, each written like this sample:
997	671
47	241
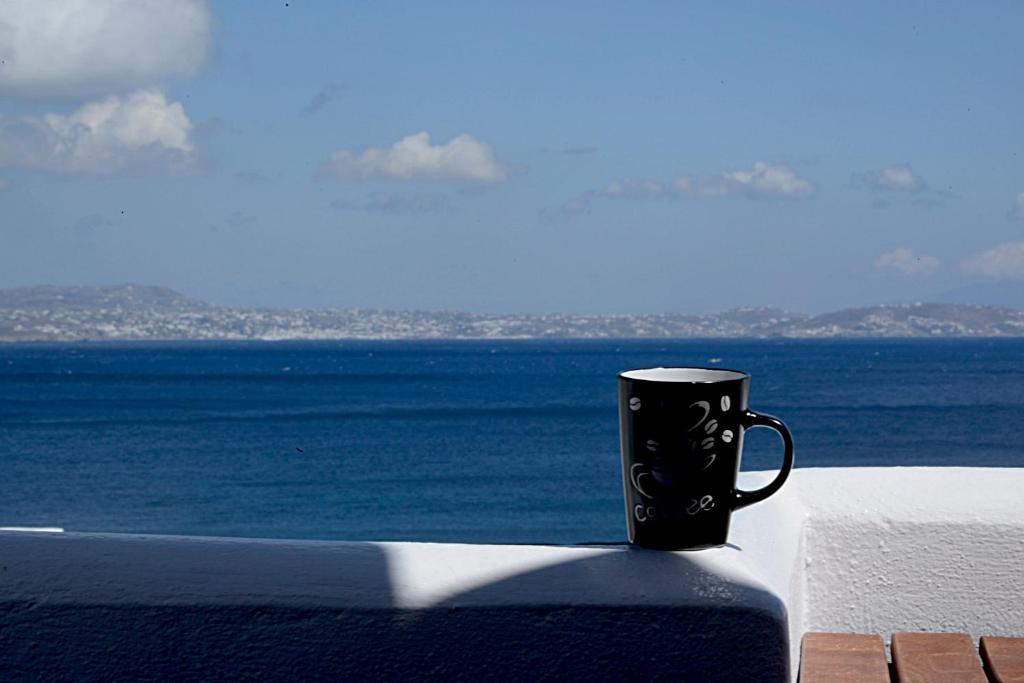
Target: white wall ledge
872	549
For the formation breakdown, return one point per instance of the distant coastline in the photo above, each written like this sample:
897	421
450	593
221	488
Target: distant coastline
145	313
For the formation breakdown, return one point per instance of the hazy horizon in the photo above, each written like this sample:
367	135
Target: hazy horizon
954	297
534	158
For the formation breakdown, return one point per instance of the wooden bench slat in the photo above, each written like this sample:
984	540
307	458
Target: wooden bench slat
1004	658
936	658
843	658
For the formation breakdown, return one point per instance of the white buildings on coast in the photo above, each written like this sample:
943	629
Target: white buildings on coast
131	312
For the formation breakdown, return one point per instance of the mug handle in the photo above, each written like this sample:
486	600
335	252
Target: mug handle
749	420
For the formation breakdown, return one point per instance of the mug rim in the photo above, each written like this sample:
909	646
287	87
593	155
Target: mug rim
684	375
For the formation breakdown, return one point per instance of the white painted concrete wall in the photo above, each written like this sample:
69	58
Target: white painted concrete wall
899	549
876	550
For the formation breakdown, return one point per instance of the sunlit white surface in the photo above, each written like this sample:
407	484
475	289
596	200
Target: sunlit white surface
860	549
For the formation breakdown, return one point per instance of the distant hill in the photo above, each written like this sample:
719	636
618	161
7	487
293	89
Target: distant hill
917	320
136	312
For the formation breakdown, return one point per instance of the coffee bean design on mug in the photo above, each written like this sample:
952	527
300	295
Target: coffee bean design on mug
697	506
702	406
702	410
634	477
707	502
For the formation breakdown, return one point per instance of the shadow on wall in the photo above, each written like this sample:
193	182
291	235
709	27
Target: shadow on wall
642	615
711	630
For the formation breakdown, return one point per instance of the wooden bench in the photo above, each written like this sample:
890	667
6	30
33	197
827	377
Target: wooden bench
916	658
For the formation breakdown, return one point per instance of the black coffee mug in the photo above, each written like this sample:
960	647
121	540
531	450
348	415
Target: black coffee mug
682	435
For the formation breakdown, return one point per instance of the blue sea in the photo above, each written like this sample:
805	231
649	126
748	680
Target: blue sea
511	442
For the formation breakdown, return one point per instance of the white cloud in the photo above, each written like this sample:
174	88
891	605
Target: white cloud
140	130
1004	262
414	158
762	182
1018	207
907	262
896	178
82	48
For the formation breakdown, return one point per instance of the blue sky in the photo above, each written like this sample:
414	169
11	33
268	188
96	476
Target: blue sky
535	157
